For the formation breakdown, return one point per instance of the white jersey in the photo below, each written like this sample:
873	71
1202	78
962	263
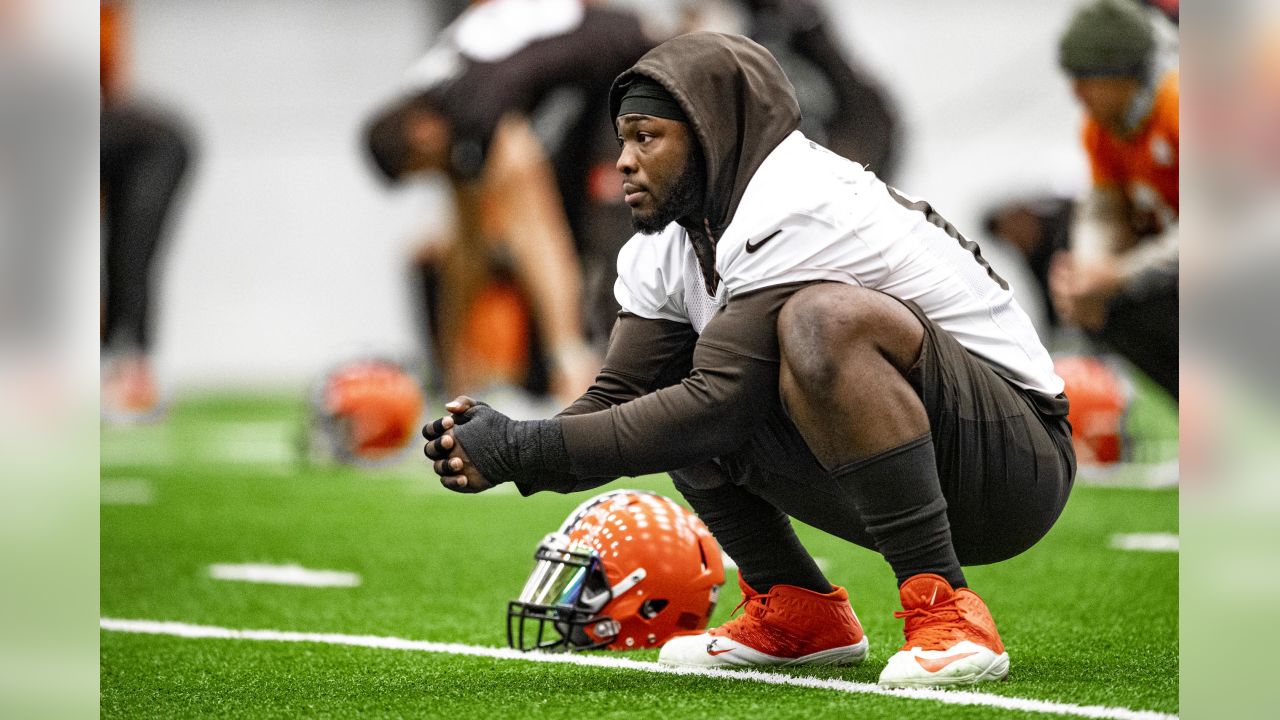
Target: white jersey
810	215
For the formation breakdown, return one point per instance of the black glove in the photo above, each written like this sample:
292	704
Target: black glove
506	450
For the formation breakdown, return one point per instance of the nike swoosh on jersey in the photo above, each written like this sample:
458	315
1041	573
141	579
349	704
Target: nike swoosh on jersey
933	665
752	248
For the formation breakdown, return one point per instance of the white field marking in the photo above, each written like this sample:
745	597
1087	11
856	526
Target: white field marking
1150	542
946	697
283	575
221	443
248	443
155	450
1145	476
126	491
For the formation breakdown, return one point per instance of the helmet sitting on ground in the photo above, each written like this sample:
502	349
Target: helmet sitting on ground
367	411
626	570
1099	396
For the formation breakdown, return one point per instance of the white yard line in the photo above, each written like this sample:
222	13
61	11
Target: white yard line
283	575
249	443
1145	476
154	451
126	491
219	443
947	697
1149	542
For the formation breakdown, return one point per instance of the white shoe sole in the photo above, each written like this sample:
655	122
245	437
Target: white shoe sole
692	652
983	665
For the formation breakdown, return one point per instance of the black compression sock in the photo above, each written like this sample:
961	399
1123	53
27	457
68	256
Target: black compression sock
758	537
899	496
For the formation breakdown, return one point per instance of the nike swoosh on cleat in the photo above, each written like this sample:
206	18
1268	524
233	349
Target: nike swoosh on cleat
752	248
933	665
713	652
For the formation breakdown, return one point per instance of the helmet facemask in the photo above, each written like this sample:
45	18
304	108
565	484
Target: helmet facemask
564	596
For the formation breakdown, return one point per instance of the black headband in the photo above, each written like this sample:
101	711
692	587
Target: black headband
646	97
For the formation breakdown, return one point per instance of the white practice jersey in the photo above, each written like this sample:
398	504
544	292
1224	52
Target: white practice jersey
810	215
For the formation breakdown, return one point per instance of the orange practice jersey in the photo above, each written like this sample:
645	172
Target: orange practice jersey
1145	166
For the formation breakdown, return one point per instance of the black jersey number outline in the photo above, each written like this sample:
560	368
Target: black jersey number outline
938	221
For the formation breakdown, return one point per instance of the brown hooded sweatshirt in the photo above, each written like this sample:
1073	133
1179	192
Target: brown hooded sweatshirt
668	398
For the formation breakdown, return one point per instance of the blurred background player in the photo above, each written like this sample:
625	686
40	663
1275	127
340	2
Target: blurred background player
1037	227
505	104
145	154
842	106
845	109
1119	281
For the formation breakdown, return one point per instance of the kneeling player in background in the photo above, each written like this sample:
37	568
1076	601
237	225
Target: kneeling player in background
1119	282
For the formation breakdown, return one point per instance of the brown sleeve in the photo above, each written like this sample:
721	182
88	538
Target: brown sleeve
733	384
643	356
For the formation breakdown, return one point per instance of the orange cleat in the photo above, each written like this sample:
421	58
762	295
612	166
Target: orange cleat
786	626
951	638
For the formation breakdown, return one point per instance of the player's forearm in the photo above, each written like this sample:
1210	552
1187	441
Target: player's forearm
643	355
707	415
710	413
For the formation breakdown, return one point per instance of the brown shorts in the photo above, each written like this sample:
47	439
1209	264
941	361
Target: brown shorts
1004	457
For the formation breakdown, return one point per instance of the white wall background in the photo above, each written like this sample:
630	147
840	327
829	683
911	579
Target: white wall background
288	254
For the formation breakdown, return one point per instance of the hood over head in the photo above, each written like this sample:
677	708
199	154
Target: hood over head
738	101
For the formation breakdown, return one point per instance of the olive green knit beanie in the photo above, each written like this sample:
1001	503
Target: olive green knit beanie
1112	38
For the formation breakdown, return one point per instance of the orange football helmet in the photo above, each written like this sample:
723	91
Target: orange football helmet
369	409
627	570
1099	397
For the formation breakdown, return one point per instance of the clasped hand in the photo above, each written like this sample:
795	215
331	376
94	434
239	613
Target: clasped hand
451	462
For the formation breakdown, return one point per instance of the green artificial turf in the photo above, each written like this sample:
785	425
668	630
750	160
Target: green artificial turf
1083	623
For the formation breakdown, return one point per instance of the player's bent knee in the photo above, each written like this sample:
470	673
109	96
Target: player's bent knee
821	327
820	315
825	329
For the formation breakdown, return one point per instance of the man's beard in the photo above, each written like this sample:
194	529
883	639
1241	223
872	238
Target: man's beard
685	198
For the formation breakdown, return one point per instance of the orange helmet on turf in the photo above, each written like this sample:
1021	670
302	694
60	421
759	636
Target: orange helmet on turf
368	410
627	570
1099	396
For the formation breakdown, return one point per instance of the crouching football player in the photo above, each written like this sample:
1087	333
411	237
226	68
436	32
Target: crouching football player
799	340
